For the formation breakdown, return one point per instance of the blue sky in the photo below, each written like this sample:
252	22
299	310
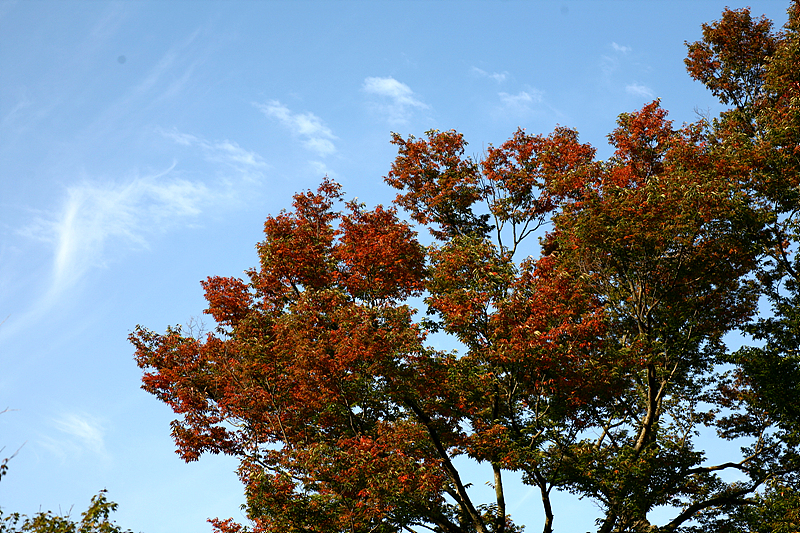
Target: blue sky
142	145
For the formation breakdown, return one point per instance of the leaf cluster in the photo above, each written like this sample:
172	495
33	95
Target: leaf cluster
96	519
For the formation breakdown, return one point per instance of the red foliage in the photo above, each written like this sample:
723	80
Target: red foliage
731	57
319	380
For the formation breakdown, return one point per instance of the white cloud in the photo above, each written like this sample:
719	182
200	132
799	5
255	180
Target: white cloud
499	77
608	65
226	152
181	138
177	84
637	89
397	91
97	215
620	48
101	219
319	169
400	97
236	154
522	102
85	428
316	136
78	433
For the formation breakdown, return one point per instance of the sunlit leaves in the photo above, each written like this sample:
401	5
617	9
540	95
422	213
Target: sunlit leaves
589	367
442	185
95	519
731	57
379	257
307	382
528	175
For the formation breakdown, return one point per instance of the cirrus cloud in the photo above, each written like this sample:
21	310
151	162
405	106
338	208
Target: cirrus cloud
499	77
249	164
522	103
637	89
96	215
77	433
315	135
620	48
395	99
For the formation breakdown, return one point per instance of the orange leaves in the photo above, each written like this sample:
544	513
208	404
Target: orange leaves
467	279
527	175
379	256
370	255
665	237
665	184
551	329
641	140
344	484
296	252
226	526
180	373
321	383
777	118
442	184
494	442
518	183
229	299
731	57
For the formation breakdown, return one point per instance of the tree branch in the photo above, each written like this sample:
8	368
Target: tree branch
463	498
500	524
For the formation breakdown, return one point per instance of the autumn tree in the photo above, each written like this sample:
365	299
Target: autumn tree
590	365
764	130
738	55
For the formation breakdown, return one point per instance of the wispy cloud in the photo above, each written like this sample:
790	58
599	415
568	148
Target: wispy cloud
608	65
226	152
615	68
315	135
78	433
521	103
83	427
396	99
524	105
499	77
177	84
320	169
637	89
621	49
95	215
611	63
168	63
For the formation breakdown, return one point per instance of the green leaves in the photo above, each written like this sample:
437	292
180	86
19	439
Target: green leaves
94	520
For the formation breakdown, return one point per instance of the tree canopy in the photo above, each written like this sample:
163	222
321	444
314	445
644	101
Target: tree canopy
94	520
591	366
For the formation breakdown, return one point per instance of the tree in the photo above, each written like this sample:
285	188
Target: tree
589	368
94	520
764	130
775	511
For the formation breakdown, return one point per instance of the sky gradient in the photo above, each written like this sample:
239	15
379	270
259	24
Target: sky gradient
143	144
